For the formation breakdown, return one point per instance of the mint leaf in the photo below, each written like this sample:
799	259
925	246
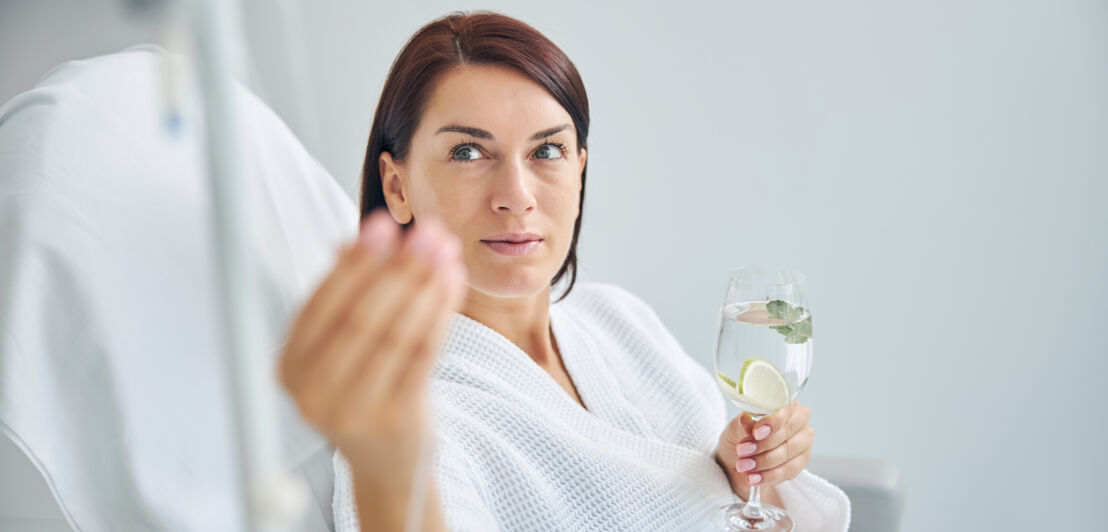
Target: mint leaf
804	327
795	332
782	310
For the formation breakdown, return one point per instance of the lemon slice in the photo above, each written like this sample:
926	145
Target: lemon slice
762	385
729	387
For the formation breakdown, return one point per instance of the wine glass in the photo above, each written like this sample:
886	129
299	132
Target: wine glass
763	359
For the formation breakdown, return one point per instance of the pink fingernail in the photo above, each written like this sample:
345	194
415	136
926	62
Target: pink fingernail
745	465
746	448
375	234
753	478
420	242
456	275
760	433
441	254
447	250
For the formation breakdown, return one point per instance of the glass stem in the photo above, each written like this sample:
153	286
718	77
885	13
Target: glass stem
753	508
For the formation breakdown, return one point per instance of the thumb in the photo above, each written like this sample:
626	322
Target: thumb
739	429
747	423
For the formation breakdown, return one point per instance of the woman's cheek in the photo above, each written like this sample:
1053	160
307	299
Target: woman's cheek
453	200
570	202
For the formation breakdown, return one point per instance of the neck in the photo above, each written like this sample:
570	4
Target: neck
525	321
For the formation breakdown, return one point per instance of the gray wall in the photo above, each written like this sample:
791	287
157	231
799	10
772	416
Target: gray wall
937	169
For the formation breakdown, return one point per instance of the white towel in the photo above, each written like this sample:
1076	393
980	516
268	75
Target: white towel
516	453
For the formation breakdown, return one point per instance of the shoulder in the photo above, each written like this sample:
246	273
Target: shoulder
611	311
605	290
600	298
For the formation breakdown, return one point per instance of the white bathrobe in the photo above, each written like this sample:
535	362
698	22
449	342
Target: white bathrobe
514	451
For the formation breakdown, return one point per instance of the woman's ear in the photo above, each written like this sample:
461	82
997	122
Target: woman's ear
392	185
581	164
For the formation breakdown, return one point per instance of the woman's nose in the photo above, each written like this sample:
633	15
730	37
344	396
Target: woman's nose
511	189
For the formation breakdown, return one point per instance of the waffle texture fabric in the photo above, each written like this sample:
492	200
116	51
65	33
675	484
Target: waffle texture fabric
514	452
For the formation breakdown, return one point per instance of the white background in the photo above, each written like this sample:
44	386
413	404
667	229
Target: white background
936	168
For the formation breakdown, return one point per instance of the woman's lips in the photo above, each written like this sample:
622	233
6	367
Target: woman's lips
512	248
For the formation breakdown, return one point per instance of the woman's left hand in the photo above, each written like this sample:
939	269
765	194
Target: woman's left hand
772	450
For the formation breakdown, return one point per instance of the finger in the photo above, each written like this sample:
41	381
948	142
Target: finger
787	471
338	352
357	262
402	342
800	443
781	426
376	310
413	380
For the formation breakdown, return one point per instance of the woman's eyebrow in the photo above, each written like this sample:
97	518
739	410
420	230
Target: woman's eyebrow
548	132
482	134
471	131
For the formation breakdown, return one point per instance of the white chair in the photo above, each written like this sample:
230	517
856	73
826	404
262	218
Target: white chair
111	397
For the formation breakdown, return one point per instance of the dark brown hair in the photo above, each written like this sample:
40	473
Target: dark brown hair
478	38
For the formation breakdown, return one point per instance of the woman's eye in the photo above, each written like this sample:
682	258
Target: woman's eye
548	151
466	153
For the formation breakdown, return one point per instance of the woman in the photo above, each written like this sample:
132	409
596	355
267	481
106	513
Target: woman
579	414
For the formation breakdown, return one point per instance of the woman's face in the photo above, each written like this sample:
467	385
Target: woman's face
494	157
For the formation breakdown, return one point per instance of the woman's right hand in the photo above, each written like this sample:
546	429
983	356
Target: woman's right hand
359	355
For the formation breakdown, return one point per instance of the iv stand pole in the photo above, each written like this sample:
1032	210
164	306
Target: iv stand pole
274	501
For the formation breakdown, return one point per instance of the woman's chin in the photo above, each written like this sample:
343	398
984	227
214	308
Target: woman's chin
510	284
